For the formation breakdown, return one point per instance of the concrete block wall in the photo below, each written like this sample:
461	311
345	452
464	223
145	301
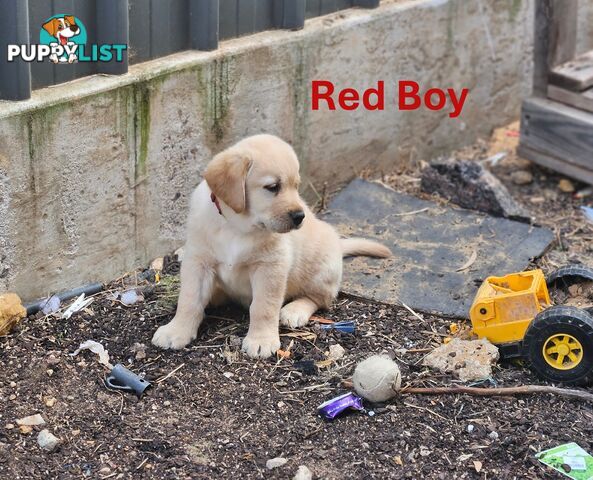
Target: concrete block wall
96	174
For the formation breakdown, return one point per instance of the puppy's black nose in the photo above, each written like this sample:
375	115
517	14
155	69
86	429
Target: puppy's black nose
297	217
74	28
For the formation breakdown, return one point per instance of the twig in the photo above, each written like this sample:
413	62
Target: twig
419	317
414	212
503	391
162	379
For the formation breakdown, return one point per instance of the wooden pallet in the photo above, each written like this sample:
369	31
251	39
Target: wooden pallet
557	121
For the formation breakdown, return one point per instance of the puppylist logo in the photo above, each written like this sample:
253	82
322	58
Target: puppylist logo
63	39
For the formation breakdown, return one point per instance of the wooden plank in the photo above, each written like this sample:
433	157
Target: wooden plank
558	130
582	100
554	39
557	164
576	74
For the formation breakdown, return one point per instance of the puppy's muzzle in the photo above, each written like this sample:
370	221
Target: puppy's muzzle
297	217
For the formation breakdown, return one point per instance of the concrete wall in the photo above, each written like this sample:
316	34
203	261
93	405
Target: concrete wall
95	175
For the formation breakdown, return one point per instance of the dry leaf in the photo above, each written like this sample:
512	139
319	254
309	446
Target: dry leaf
324	363
303	335
282	353
398	460
469	263
319	319
25	429
478	465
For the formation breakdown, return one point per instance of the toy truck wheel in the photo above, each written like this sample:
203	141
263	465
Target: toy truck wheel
559	345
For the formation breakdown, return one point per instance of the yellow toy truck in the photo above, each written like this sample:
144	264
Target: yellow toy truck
515	313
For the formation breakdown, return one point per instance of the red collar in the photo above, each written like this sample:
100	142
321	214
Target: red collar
216	202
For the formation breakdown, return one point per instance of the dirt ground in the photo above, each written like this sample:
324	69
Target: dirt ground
213	413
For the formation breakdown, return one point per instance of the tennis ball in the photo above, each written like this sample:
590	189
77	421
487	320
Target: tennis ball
377	378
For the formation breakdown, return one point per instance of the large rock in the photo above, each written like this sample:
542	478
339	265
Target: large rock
11	311
470	185
469	360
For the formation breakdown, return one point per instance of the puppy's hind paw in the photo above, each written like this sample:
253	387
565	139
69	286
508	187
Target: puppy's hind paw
261	346
171	336
293	317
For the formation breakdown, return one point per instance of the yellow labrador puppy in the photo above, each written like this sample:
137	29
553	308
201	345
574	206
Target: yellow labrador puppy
252	239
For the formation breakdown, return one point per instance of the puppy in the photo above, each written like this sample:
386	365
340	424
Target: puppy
252	239
62	29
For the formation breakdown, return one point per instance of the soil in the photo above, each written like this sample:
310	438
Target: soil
213	413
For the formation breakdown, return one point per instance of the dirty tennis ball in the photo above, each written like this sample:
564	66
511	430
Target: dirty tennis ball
377	378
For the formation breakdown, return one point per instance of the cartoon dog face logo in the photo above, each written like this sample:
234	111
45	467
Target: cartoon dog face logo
62	29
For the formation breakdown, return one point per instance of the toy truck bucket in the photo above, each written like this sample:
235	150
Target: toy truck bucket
504	306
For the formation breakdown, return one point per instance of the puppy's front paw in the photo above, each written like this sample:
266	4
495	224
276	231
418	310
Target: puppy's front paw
261	346
293	317
172	336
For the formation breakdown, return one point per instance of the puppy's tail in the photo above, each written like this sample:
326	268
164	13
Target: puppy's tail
362	246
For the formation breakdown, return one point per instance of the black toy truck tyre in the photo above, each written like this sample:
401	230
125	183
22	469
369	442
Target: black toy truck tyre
561	327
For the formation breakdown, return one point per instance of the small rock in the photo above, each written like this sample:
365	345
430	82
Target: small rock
167	403
52	360
157	264
425	451
31	420
49	372
228	375
105	471
50	402
473	359
140	350
9	426
521	177
25	429
273	463
12	384
303	473
47	440
470	428
336	352
566	186
11	312
470	185
493	435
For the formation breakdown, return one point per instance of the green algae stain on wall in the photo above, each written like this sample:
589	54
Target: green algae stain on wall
515	8
142	127
216	85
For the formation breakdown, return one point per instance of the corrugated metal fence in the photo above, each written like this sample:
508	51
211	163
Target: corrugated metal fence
151	29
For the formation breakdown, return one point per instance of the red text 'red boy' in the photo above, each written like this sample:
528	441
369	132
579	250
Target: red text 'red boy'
409	97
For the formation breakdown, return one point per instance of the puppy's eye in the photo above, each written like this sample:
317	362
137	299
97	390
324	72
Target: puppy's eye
274	187
60	27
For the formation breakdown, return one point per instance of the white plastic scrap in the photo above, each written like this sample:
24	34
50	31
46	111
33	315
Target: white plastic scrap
131	297
588	211
78	304
97	348
51	305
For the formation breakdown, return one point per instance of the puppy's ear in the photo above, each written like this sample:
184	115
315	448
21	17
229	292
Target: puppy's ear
226	176
51	27
70	19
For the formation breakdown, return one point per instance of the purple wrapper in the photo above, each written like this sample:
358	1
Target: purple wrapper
332	408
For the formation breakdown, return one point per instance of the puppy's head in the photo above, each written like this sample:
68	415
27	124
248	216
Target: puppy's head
258	179
62	28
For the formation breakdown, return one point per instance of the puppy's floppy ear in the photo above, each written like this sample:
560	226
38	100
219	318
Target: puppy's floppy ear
51	27
226	176
70	19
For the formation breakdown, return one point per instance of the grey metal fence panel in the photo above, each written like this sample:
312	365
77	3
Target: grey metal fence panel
242	17
151	28
15	77
139	48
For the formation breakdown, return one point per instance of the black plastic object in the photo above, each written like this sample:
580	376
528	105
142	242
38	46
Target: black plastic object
561	320
570	274
122	379
90	289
